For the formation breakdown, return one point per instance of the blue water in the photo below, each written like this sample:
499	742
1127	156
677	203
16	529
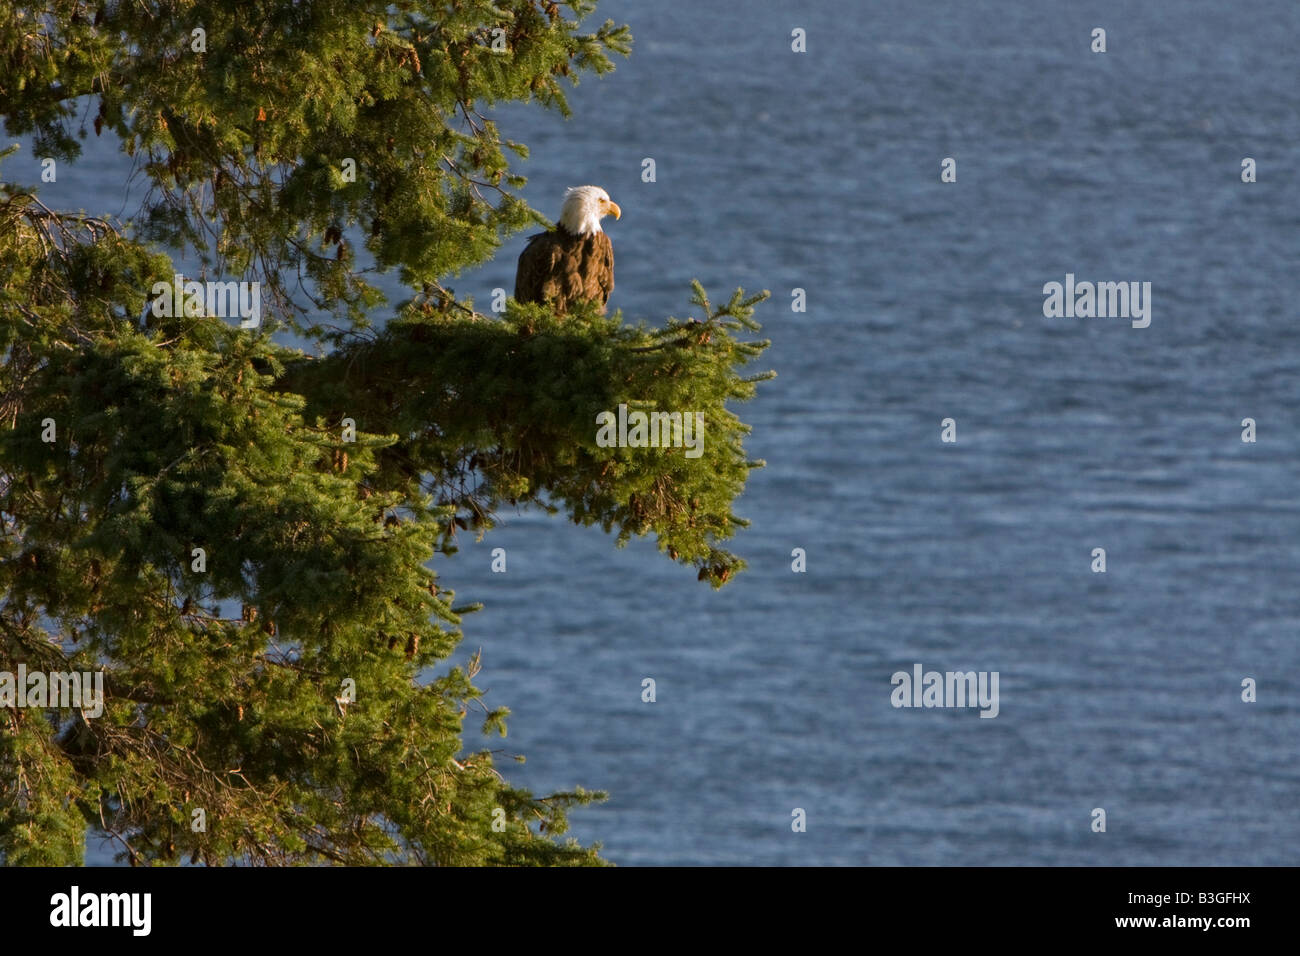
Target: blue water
821	171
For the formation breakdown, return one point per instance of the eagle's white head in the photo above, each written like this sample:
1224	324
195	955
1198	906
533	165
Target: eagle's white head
583	208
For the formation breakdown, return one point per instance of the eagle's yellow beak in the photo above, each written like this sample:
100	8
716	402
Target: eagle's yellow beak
611	209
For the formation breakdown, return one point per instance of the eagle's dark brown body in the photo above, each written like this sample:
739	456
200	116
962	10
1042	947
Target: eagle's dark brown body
559	268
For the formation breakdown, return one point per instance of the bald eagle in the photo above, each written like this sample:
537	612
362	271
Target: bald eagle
573	262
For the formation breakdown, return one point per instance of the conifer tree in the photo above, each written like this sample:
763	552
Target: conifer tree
247	539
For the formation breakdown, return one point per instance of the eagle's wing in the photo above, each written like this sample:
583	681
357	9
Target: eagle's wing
600	271
559	269
538	266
